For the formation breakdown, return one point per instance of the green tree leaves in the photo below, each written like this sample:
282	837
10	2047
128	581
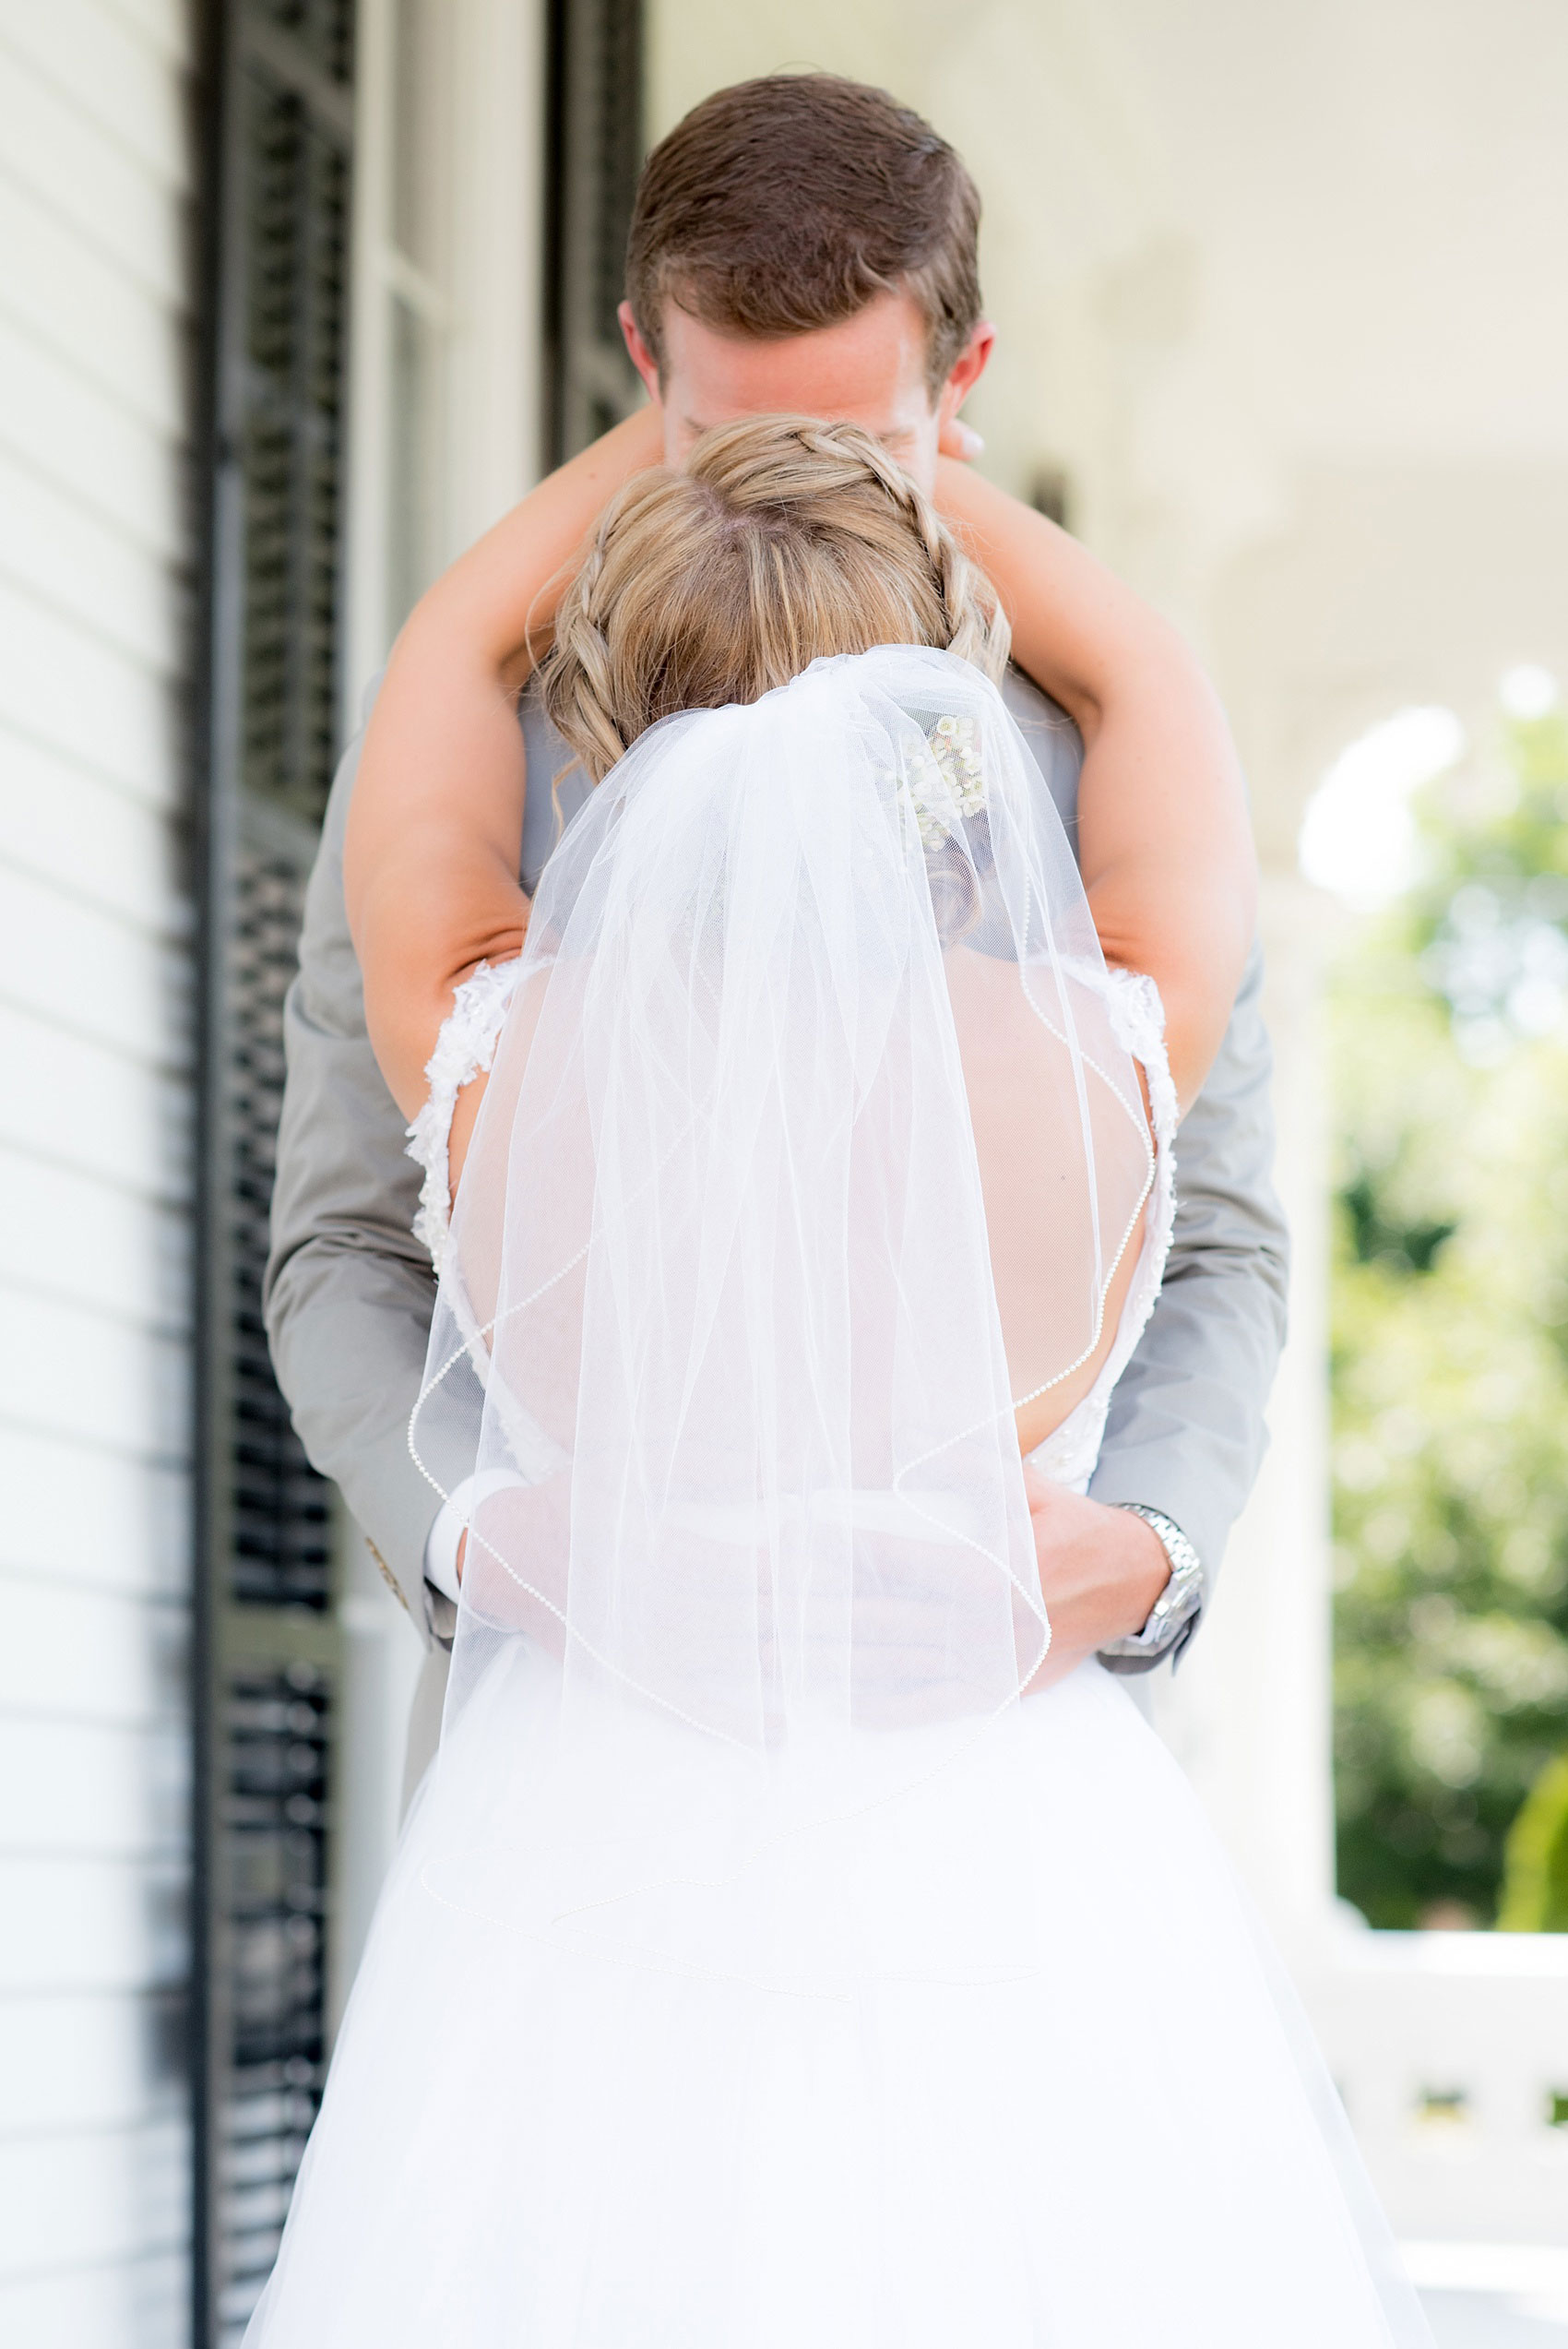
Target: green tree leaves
1535	1883
1449	1044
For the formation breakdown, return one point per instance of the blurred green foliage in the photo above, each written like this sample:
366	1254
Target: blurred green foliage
1535	1882
1449	1047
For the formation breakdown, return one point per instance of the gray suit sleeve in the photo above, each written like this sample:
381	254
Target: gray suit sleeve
1186	1431
348	1292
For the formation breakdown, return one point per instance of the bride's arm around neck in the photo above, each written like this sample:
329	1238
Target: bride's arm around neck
1164	843
434	831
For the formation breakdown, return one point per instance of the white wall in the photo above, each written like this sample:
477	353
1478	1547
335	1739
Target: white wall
94	1174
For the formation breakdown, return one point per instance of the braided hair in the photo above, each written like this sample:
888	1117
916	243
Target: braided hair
779	540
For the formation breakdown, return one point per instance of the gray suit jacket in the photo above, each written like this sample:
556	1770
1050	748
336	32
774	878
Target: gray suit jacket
349	1291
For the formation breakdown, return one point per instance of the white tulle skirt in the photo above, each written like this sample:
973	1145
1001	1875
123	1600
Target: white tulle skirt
1064	2104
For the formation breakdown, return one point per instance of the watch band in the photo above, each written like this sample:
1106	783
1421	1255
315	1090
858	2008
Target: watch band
1177	1604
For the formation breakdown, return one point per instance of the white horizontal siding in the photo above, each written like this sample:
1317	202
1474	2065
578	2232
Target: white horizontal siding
75	431
92	840
71	1372
80	302
117	203
95	1108
92	1518
85	1925
95	973
54	547
89	1655
102	2194
81	1104
110	72
162	24
129	1256
72	1791
71	692
80	2061
134	2301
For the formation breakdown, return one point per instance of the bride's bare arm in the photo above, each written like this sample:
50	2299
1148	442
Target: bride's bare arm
434	834
434	829
1163	836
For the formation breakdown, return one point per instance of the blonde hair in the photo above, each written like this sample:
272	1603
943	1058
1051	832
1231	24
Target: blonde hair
779	540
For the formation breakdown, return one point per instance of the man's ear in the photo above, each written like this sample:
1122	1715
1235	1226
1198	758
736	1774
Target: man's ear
641	356
968	369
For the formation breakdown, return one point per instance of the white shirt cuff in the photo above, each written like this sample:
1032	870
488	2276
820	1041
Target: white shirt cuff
453	1519
444	1539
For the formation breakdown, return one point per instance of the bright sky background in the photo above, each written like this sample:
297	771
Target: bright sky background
1359	836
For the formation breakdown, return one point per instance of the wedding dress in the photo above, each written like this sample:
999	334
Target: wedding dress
766	1964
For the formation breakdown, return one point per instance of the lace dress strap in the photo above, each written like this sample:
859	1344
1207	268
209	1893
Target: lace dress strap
464	1049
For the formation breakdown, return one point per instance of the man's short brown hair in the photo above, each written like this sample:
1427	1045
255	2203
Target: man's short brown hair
789	203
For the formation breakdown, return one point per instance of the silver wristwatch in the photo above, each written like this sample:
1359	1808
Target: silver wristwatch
1174	1608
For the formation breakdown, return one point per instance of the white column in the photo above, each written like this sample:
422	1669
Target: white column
497	260
1249	1711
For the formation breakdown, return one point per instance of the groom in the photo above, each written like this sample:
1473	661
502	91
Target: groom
798	243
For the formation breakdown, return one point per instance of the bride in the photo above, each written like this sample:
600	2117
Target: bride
822	1958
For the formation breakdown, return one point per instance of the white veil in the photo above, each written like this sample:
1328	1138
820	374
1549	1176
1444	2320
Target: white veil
808	1152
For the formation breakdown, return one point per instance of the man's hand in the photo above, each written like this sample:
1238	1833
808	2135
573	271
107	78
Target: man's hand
1101	1572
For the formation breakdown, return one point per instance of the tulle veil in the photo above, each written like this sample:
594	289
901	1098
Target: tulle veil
809	1151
